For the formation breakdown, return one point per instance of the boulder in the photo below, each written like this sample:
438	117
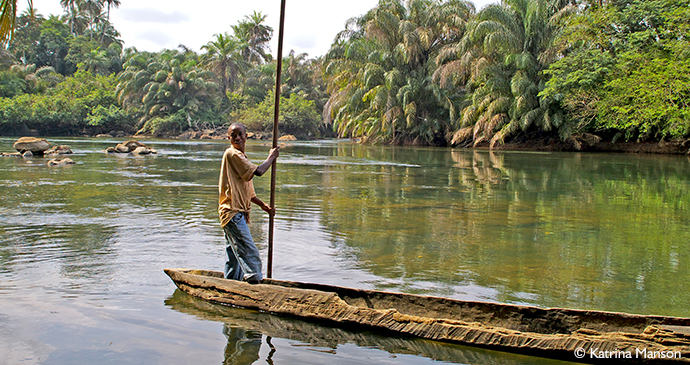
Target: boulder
287	137
60	162
13	154
59	150
28	154
207	134
104	135
36	145
141	151
133	147
190	134
121	148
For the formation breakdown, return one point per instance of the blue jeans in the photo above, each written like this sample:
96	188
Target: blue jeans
243	261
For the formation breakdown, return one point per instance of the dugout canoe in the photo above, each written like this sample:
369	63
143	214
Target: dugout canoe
319	336
568	334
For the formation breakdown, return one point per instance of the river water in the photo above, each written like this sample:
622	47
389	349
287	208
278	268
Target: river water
83	247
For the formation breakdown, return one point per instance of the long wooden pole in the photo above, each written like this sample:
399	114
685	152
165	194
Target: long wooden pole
276	113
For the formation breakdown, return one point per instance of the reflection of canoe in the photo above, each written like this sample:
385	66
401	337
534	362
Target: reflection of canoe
559	333
320	336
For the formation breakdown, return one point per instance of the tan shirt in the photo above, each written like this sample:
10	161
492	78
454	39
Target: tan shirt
235	185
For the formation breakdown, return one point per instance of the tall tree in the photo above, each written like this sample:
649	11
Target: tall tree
223	55
8	13
255	35
110	4
625	73
27	32
379	71
500	61
166	85
72	13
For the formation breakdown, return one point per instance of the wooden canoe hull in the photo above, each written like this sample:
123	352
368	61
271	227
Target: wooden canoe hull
557	333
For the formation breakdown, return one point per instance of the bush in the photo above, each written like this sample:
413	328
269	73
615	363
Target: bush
82	104
298	116
164	125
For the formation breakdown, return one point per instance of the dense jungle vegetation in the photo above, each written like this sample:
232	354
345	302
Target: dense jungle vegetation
433	72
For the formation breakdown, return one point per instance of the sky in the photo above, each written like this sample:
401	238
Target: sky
153	25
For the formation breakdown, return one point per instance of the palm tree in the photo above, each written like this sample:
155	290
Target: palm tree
500	62
379	72
258	81
95	61
72	11
164	84
31	14
78	15
255	36
303	76
8	13
113	4
223	56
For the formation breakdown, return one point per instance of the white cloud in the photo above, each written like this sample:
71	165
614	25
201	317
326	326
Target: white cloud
149	15
156	38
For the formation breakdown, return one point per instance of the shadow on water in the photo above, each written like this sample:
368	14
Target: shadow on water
251	334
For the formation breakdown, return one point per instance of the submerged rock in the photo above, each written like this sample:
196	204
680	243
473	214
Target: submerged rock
141	151
60	162
133	147
287	137
36	145
59	150
13	154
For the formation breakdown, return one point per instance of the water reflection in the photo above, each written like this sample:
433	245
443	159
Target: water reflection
252	335
607	232
562	230
243	345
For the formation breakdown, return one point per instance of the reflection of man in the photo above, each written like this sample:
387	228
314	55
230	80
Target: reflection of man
243	346
236	195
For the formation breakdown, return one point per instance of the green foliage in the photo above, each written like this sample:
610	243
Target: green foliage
650	101
379	72
83	103
164	84
500	62
162	125
298	116
53	46
25	40
255	37
626	68
223	56
108	118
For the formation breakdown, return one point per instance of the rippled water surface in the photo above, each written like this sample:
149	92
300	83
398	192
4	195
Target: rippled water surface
83	247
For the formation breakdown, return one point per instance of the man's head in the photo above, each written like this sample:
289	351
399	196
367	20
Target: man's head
237	134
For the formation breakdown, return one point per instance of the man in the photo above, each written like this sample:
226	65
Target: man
236	195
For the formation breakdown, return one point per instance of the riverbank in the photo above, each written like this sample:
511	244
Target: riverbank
581	143
592	143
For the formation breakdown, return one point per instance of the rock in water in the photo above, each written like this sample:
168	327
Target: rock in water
141	151
60	162
287	137
59	150
36	145
133	147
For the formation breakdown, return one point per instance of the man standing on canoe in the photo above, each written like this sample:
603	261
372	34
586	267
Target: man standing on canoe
236	195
